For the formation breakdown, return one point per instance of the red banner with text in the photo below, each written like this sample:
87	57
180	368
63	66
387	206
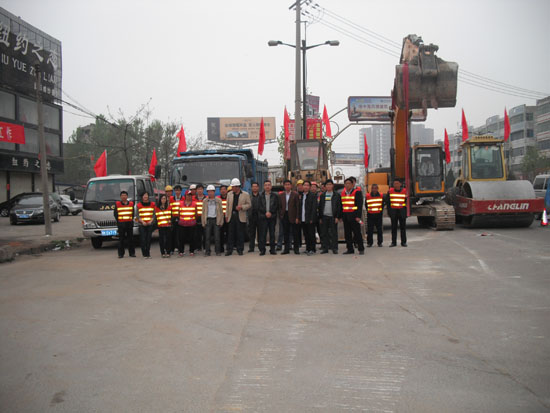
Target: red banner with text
12	133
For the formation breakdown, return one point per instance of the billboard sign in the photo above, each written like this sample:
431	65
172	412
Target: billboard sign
376	109
314	129
239	130
312	105
22	48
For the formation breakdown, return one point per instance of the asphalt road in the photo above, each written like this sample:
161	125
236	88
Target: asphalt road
456	322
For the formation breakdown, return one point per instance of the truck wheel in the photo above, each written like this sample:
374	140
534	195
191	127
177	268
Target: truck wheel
97	243
76	212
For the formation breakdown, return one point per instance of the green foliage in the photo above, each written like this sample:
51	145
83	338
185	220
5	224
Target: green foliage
533	163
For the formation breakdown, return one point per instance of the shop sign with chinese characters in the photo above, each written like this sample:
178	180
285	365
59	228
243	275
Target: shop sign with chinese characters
29	164
12	133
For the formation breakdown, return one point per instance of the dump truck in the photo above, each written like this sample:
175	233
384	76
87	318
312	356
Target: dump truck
482	196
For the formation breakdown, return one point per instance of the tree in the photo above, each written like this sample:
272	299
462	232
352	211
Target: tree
533	163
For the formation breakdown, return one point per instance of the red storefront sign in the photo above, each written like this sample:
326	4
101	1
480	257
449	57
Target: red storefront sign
12	133
314	129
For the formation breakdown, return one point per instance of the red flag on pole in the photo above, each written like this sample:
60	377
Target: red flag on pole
262	138
506	125
287	134
464	127
447	151
182	146
153	165
100	167
366	151
326	121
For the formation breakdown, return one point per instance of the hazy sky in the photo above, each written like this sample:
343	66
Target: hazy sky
197	59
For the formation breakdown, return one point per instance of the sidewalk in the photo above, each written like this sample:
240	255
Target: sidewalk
30	239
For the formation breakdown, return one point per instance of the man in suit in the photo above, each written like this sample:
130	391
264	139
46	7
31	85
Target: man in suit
330	212
288	212
253	213
308	216
238	202
267	216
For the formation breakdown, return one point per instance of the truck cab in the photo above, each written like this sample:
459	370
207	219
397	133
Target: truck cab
98	220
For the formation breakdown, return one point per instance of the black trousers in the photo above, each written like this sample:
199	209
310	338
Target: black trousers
253	229
223	235
291	228
199	234
186	235
145	234
126	234
165	240
398	216
235	233
265	225
352	231
374	220
309	235
329	234
210	228
175	235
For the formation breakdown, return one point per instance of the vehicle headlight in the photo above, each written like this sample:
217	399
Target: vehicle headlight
39	211
86	224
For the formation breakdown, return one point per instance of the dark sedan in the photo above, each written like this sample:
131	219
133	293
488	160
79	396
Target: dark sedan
30	208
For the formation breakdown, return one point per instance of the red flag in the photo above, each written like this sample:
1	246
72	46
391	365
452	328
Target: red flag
100	167
326	121
153	165
366	151
287	134
447	151
182	146
464	127
506	125
262	138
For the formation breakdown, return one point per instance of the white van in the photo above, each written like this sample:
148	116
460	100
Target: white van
98	220
540	184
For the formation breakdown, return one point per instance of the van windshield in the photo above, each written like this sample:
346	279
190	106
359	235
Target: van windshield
108	190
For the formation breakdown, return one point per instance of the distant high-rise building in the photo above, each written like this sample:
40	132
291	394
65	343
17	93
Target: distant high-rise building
542	126
421	134
379	141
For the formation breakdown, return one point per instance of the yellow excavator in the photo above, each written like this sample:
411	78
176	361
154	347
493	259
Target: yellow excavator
422	81
482	195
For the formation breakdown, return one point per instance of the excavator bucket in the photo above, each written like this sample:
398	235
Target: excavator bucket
432	81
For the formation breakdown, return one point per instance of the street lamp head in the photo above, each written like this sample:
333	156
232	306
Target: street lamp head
274	42
333	42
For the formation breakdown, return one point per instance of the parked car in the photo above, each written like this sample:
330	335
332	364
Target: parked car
69	206
6	206
30	208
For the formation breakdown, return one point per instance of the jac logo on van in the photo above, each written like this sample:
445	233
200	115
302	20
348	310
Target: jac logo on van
106	207
514	206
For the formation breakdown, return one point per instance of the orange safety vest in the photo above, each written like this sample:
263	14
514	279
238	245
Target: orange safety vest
125	213
398	200
224	204
163	217
374	203
348	201
188	213
199	206
175	206
146	213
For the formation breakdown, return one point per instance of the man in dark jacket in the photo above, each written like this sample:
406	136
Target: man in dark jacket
253	223
308	217
288	212
330	212
267	218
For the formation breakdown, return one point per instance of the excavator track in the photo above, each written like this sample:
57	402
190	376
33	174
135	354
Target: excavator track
437	215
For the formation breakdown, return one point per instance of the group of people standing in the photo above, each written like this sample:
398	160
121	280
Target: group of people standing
197	219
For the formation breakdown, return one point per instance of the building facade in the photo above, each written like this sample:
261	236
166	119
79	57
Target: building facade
542	126
26	52
379	141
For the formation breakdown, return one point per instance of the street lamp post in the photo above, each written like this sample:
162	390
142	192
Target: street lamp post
304	47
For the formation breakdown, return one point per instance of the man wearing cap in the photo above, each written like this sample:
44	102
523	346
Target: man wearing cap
238	202
168	191
267	215
193	190
212	220
199	230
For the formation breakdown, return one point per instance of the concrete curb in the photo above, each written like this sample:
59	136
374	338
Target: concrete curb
9	253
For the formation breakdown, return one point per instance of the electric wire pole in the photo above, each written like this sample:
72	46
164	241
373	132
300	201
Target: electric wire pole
297	106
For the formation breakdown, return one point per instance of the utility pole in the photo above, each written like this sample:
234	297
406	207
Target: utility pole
43	157
297	109
304	90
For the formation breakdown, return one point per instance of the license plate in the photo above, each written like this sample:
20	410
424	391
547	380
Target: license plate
109	232
23	216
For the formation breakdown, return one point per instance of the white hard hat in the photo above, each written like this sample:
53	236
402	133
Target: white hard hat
210	188
235	182
193	186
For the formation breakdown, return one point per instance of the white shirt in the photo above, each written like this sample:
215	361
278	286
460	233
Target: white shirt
304	197
287	194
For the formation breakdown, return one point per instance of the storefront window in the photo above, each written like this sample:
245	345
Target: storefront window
31	141
28	114
52	144
7	105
